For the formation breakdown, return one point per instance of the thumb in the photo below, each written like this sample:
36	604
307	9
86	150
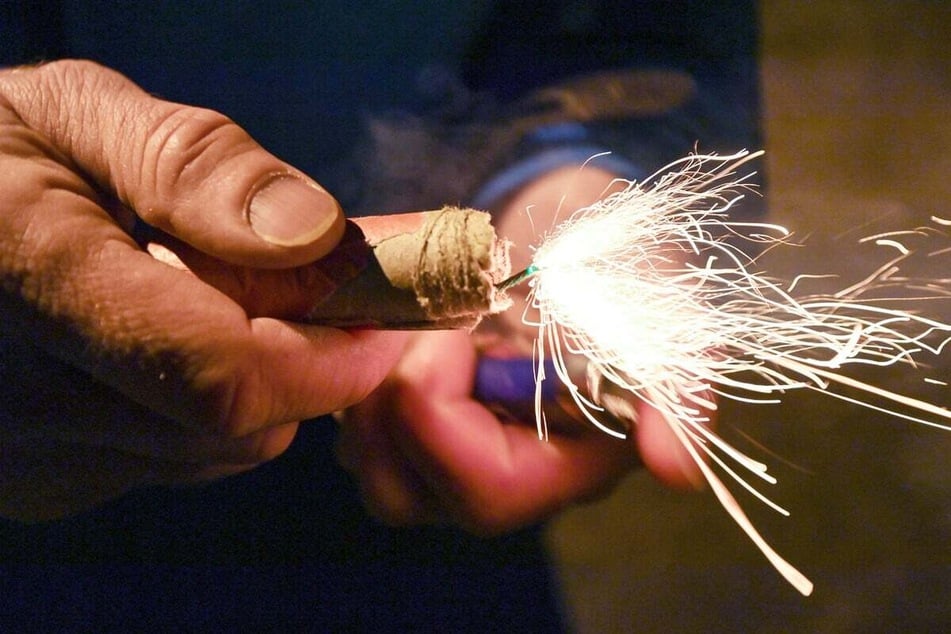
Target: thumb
191	172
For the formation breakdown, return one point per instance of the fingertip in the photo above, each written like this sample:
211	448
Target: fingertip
290	211
664	454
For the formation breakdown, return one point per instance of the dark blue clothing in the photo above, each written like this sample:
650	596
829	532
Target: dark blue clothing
288	543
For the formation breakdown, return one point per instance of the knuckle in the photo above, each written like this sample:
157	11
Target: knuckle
29	79
69	70
183	147
47	95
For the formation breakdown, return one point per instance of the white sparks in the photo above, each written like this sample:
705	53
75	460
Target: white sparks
893	243
650	288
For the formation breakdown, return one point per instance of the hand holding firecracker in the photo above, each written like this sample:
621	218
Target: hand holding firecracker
649	289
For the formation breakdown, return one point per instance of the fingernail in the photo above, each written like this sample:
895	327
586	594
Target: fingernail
288	211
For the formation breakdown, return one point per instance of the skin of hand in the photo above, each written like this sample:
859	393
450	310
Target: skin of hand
423	450
118	370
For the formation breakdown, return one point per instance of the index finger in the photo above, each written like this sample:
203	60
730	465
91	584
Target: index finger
190	352
495	476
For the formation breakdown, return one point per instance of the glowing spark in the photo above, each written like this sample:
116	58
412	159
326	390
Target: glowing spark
648	286
893	243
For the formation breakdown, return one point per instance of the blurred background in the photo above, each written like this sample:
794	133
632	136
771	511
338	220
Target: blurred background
857	114
857	117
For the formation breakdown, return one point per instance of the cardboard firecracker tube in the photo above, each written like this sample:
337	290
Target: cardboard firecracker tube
426	270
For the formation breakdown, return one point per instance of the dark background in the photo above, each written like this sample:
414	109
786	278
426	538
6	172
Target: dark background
856	99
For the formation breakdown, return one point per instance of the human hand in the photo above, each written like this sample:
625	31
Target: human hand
423	449
119	370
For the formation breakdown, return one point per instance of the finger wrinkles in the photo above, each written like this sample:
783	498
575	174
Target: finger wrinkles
64	99
182	149
21	144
